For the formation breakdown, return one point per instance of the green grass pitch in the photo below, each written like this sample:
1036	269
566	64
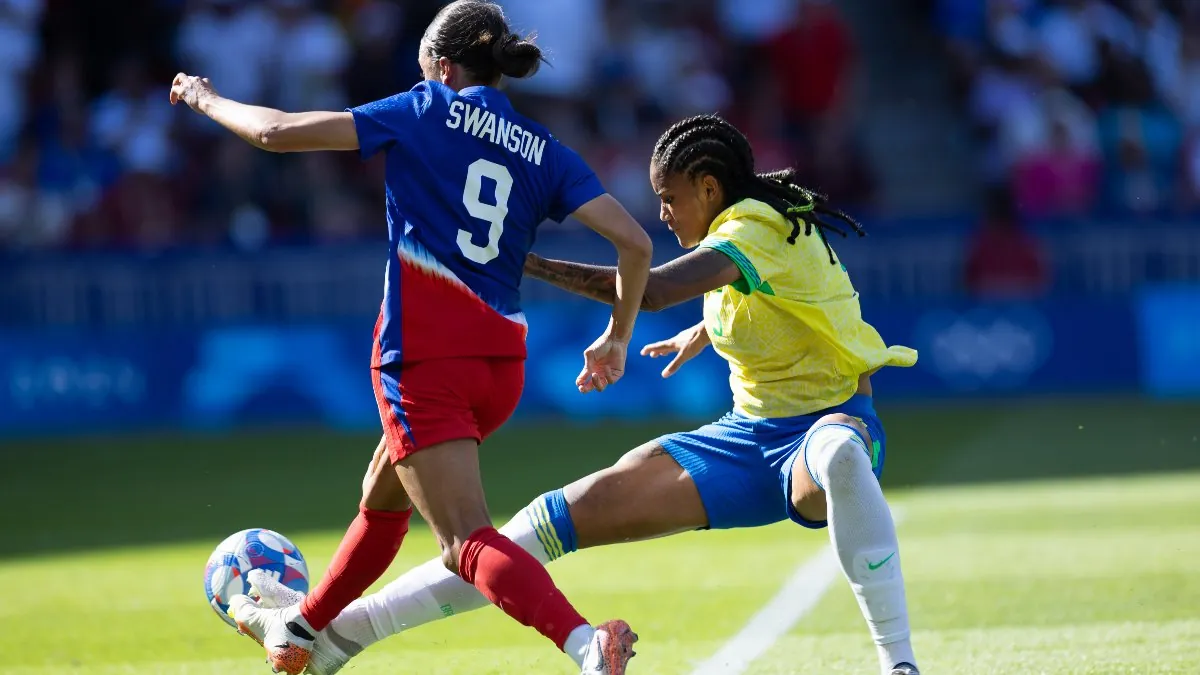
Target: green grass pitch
1047	537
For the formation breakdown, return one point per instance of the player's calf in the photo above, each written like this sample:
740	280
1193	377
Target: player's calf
836	453
433	591
369	546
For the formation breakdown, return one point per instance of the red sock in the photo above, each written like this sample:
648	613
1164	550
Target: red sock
369	547
517	583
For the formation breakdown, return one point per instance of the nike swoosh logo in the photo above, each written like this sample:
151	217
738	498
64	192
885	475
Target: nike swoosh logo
298	630
879	564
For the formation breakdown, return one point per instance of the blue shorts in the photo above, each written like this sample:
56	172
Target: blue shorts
742	465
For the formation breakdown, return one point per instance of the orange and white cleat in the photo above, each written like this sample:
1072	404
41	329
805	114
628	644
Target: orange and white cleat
610	649
282	632
330	651
270	594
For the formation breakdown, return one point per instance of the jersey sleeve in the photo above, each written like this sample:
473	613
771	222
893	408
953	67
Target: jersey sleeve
384	123
577	185
755	247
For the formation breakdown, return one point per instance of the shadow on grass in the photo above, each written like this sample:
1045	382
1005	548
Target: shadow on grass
61	495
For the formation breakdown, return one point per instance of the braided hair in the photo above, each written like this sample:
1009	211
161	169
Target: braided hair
707	144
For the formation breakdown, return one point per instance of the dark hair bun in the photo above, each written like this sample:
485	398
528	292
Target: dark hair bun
516	57
475	34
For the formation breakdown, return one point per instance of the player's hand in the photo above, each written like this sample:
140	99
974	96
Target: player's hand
190	89
603	364
684	346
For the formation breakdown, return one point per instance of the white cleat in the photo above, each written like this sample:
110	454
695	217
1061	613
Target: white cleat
270	593
281	632
610	649
330	651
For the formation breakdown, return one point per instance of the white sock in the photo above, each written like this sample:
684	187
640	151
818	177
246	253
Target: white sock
427	593
577	643
352	628
864	536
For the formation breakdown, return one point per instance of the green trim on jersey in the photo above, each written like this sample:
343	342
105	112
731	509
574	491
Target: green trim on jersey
750	280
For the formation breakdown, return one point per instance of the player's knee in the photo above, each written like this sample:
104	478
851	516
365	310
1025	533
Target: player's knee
837	446
844	420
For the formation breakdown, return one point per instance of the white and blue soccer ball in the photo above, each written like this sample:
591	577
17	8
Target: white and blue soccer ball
256	548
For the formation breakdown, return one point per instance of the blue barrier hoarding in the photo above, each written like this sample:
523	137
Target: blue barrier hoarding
60	380
1169	337
224	376
1060	346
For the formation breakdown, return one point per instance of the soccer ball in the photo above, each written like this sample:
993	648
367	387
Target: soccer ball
256	548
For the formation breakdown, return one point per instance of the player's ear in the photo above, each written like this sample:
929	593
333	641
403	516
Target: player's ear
445	69
710	189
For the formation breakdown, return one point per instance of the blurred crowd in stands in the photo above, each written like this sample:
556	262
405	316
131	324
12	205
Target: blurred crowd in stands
1081	106
93	157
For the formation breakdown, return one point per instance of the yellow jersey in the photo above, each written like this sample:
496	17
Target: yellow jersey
791	327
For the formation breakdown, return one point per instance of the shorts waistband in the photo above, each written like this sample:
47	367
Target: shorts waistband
859	405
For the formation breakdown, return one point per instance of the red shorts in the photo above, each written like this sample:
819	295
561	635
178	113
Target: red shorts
430	402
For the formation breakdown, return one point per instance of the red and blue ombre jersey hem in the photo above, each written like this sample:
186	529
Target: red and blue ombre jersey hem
429	313
468	180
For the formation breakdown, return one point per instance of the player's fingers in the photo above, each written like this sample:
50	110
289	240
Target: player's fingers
179	78
673	365
599	382
598	374
657	349
584	381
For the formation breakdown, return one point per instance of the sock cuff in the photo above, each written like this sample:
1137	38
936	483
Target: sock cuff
468	555
824	442
550	518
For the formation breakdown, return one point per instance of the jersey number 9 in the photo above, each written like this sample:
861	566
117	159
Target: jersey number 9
493	214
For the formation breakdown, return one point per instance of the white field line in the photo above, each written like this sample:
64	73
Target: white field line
798	597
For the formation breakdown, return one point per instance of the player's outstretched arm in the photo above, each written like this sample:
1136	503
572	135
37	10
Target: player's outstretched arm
688	276
605	216
267	128
604	360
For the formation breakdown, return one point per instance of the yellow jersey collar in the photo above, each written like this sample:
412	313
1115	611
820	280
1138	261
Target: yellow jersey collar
747	209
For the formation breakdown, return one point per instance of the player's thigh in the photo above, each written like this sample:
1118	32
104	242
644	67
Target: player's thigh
497	394
428	403
446	487
646	494
807	498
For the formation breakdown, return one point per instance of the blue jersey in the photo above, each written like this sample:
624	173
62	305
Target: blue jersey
468	182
